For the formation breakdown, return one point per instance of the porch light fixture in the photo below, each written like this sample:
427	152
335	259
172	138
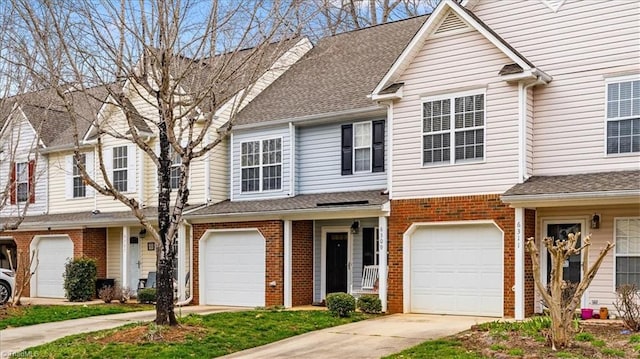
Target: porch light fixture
355	226
595	221
142	233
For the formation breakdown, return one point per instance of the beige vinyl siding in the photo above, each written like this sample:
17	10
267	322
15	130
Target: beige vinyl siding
584	44
443	66
58	177
602	288
114	254
219	172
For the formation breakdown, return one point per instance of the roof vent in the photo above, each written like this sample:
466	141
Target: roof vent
554	5
450	23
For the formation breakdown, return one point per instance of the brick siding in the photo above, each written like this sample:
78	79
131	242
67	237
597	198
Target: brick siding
302	263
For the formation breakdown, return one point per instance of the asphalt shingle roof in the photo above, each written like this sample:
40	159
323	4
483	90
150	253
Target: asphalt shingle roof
318	201
578	183
336	75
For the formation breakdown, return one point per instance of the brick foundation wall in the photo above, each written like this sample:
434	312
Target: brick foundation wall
529	284
461	208
302	263
91	242
273	232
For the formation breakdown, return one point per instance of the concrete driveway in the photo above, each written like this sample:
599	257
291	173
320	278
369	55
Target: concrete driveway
367	339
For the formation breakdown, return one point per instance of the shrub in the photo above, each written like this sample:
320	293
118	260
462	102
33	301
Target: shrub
80	279
125	295
370	304
341	304
147	295
108	293
628	306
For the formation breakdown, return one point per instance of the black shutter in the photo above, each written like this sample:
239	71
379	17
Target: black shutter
378	146
368	247
347	149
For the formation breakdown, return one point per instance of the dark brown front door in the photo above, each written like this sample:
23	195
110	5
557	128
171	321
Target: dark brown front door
572	267
337	244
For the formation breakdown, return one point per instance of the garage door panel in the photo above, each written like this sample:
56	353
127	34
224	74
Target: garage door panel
457	270
53	253
234	268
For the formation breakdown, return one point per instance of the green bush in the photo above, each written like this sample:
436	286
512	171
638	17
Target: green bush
147	295
370	304
341	304
80	279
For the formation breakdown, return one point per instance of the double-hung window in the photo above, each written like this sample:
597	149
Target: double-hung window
261	165
453	129
623	117
79	187
176	169
627	237
22	181
120	165
362	147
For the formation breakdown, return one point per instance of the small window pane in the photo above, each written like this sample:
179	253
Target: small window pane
613	92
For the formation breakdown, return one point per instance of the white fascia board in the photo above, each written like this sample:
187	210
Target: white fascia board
318	118
389	96
571	199
293	214
422	35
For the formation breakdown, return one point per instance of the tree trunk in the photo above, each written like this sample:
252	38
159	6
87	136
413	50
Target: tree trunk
164	295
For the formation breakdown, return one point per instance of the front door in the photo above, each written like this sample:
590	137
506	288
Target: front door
572	268
134	263
337	260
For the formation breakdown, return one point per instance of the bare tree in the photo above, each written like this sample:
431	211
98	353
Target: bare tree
24	269
182	60
563	311
330	17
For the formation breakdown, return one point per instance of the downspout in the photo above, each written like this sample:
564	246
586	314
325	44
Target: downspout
207	173
522	133
292	160
189	299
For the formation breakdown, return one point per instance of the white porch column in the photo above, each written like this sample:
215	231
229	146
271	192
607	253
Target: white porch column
288	258
518	288
182	254
382	262
125	258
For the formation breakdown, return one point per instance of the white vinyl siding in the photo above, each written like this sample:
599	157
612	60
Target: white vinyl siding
362	137
497	171
627	237
571	109
623	117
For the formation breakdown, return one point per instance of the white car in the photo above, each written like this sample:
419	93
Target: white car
7	282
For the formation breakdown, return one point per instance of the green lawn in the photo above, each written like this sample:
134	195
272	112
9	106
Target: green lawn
37	314
441	348
209	336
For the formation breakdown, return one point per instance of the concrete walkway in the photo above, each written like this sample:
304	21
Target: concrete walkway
15	340
367	339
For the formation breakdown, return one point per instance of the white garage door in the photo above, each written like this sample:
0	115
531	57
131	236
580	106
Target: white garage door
457	270
233	268
53	253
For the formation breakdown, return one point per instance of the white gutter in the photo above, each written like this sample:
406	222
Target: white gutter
207	172
557	197
189	299
337	116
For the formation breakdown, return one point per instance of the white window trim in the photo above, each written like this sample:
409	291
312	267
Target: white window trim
607	82
126	168
79	175
615	254
452	130
370	147
18	182
262	165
